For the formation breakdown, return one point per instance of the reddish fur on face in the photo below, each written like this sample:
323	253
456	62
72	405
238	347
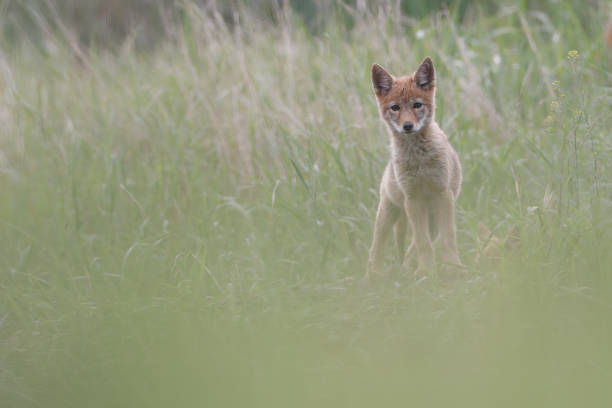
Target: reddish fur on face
405	91
404	88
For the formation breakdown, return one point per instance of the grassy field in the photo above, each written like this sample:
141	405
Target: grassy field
187	227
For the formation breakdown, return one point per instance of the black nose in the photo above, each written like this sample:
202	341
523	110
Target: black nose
408	126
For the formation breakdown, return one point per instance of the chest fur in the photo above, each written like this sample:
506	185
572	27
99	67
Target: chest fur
420	163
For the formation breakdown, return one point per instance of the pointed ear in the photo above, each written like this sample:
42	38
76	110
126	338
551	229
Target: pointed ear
513	239
484	233
381	80
425	75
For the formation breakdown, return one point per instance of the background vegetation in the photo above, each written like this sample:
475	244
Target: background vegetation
188	193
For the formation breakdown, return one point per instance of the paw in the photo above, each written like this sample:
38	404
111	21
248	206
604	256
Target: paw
422	271
409	263
452	271
373	272
425	266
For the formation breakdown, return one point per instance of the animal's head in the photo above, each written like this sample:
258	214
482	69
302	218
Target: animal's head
492	247
407	104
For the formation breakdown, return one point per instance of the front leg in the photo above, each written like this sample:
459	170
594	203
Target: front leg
418	215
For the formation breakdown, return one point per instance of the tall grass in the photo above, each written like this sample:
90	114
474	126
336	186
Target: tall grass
187	227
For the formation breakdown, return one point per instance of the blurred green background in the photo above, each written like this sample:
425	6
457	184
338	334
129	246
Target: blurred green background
108	23
189	188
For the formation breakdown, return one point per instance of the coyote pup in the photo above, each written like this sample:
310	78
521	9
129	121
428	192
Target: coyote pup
423	177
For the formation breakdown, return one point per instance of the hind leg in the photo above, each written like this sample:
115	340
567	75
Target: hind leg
445	213
409	255
399	231
406	255
386	216
433	226
418	215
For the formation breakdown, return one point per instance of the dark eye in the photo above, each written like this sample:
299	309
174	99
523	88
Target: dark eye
417	105
395	108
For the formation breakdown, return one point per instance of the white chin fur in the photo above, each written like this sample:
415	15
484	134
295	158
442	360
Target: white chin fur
417	127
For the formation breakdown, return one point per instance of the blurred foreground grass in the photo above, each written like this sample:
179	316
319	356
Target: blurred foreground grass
187	227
